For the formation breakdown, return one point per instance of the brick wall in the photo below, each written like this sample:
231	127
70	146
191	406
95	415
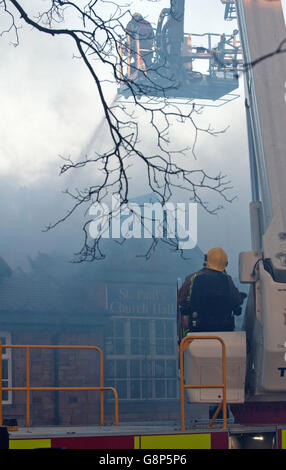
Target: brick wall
71	368
49	368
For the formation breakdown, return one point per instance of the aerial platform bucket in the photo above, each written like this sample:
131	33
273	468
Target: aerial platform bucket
203	365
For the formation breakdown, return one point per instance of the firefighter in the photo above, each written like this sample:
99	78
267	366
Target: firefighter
208	299
220	52
139	29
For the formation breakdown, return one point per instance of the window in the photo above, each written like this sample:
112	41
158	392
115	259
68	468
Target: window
140	336
5	338
165	334
116	340
145	365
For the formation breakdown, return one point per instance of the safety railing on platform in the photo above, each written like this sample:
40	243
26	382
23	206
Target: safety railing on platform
227	53
183	345
29	389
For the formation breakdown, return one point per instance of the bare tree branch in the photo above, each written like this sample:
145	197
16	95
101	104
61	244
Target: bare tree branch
100	41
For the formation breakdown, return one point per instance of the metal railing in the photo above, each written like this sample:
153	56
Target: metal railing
139	64
231	50
28	387
183	345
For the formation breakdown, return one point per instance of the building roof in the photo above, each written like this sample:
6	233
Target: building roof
56	291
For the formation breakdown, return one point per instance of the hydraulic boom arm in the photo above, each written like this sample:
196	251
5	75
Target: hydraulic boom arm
262	31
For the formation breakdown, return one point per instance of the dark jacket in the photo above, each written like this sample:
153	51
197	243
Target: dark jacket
214	297
140	29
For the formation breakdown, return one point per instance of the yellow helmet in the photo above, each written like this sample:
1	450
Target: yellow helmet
136	15
216	259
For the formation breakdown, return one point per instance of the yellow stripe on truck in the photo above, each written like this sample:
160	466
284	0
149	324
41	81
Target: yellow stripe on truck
30	444
283	443
177	441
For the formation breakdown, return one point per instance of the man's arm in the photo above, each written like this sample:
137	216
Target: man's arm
236	298
184	291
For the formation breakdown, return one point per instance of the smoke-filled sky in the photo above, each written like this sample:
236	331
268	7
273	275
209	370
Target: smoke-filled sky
50	107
